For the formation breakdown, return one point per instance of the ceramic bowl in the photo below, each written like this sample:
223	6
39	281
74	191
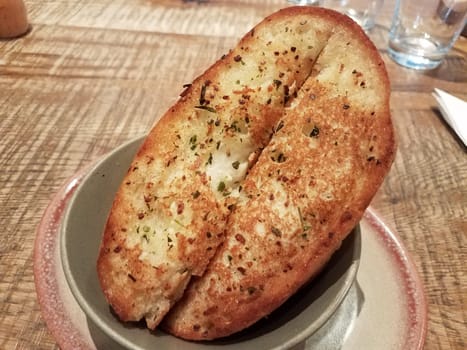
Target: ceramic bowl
297	319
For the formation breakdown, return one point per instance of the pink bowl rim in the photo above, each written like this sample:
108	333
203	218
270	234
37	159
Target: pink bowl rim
68	337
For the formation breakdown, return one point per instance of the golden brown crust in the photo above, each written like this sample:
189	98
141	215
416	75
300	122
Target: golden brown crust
309	187
170	212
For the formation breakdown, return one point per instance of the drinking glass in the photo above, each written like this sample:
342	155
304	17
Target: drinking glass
422	34
304	2
364	12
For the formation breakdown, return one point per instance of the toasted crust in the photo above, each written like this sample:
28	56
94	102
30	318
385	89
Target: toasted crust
170	213
328	156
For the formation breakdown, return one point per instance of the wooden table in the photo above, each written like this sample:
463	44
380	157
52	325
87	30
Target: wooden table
94	74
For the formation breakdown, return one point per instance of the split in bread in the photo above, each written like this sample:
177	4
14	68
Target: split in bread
251	181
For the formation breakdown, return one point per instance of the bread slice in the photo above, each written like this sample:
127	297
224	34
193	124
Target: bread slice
309	187
170	213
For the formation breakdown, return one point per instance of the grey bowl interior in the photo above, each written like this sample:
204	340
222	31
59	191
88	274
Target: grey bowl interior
83	224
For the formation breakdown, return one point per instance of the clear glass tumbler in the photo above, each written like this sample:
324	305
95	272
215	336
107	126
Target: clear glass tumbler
422	34
364	12
304	2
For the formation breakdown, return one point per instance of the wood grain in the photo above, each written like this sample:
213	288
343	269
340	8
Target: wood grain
93	74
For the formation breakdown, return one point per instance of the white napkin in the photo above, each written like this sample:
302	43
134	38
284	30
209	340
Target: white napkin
454	111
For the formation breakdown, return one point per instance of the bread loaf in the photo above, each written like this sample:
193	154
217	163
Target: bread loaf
257	173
